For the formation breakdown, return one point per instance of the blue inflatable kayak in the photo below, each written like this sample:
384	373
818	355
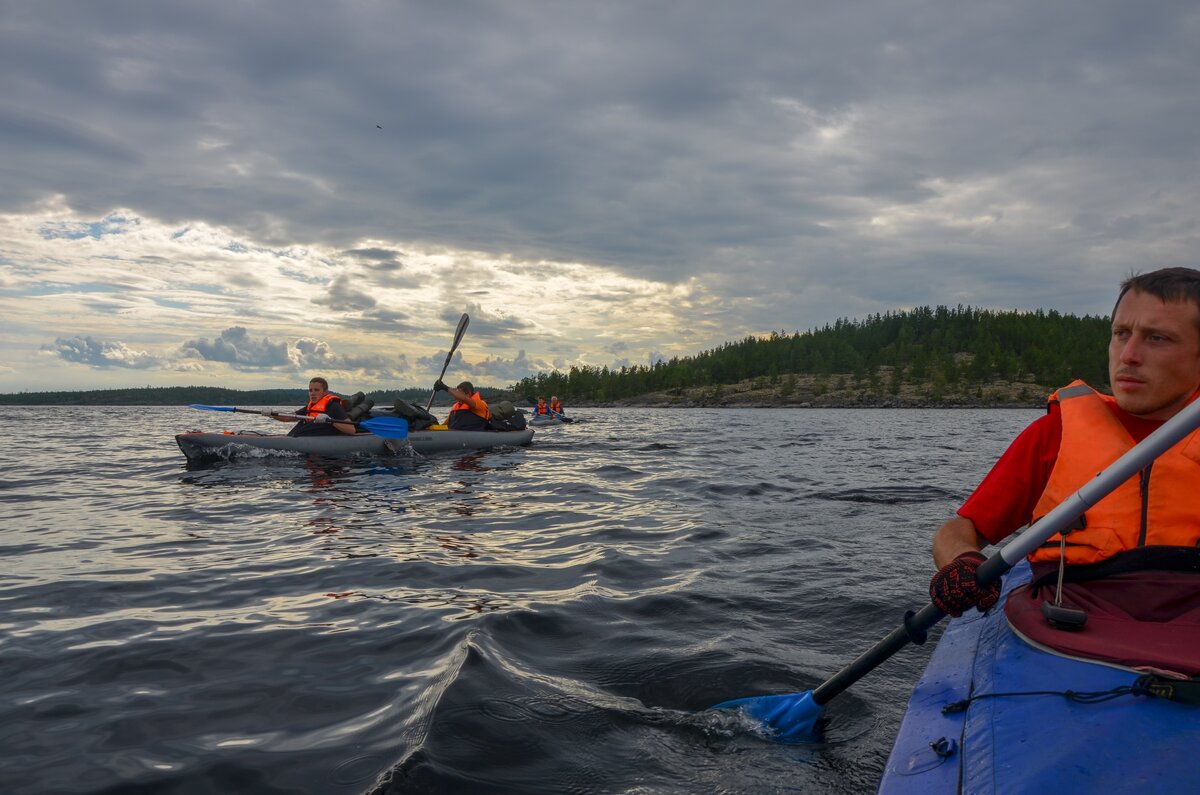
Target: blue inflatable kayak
1035	743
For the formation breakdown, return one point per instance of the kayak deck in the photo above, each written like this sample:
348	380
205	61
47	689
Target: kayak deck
200	446
1034	743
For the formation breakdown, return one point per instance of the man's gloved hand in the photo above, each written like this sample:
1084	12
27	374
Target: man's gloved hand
440	386
322	418
268	412
954	589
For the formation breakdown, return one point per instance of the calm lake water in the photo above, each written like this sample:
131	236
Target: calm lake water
549	619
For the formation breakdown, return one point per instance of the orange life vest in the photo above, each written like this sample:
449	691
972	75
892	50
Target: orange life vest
556	406
481	412
1155	507
541	408
313	409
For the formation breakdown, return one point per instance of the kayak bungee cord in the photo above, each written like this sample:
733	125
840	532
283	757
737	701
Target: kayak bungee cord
1184	691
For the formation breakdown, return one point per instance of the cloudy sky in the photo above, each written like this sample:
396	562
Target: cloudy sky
248	193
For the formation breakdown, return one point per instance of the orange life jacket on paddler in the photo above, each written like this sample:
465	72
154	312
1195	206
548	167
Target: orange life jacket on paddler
1157	507
541	408
483	412
556	406
313	409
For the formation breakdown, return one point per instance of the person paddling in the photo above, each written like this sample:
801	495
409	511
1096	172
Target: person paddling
1132	554
327	410
469	412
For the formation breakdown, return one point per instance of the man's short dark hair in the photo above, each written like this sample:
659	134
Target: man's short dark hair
1167	284
319	380
468	387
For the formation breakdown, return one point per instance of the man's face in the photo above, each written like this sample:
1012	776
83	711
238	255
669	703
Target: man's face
1154	355
316	391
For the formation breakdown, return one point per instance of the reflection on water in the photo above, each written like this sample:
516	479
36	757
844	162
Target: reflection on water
544	619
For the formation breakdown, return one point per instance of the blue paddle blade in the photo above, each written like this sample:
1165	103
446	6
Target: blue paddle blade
792	717
211	408
387	427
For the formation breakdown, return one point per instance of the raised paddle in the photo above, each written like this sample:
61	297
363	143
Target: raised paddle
387	427
458	335
794	716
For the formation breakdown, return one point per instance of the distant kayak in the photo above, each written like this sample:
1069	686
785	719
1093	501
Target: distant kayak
544	420
1041	742
200	446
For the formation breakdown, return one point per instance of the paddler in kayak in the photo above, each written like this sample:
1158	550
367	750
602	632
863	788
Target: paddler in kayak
327	410
469	412
1132	563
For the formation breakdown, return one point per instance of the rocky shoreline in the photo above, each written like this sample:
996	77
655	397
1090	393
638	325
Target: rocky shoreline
804	392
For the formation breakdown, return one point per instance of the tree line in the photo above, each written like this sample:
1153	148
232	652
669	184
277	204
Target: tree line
949	348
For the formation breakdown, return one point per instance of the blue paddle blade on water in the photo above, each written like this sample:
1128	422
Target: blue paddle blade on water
202	407
387	427
792	717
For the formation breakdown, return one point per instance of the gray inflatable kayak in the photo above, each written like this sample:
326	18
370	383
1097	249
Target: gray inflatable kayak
199	446
542	421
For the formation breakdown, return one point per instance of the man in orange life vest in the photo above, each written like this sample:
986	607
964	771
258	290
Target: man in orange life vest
1154	372
327	412
469	412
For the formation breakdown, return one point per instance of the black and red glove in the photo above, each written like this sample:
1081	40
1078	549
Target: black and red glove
954	589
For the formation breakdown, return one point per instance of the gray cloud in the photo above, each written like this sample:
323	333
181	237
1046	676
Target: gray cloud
434	363
379	259
315	354
344	296
486	324
388	321
507	371
236	347
101	354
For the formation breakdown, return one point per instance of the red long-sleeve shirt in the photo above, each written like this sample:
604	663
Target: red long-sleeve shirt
1004	501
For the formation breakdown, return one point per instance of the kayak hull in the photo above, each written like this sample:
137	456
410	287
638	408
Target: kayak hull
1034	743
198	446
542	421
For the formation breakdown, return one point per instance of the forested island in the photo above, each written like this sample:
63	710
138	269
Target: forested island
921	357
928	356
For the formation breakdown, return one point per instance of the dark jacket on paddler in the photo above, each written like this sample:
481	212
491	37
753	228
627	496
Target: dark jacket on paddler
463	418
330	405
